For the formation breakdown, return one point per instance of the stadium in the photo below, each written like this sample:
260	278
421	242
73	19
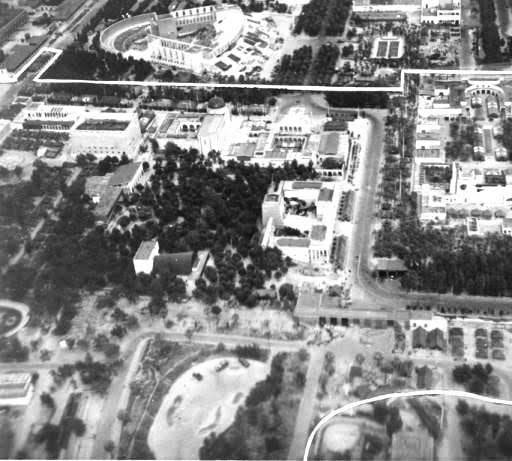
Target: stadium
190	39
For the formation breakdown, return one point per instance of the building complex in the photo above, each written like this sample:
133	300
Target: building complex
191	39
473	185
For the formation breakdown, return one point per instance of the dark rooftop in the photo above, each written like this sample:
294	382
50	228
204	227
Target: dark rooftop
124	174
325	194
175	263
306	185
103	125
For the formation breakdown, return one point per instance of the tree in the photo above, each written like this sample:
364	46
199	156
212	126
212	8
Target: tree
123	416
109	447
47	400
462	407
394	422
505	439
78	427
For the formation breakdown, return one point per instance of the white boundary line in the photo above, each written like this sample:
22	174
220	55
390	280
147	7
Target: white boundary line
393	395
12	78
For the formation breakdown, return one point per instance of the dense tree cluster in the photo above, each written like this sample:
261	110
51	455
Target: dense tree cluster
292	69
213	206
11	350
326	17
324	65
216	209
461	145
377	99
488	435
491	41
112	10
388	416
444	261
96	375
312	17
507	137
76	63
337	17
477	379
262	428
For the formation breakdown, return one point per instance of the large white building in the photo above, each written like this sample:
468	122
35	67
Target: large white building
100	131
190	39
299	218
145	256
443	12
111	134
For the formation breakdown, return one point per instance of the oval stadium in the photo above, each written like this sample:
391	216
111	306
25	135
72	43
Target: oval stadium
189	39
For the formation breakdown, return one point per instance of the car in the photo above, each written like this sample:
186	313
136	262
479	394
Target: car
221	366
244	362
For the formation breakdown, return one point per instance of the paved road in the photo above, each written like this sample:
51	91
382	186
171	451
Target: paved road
306	409
366	291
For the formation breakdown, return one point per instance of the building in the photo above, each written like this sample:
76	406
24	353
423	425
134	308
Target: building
390	267
424	377
143	260
105	191
190	39
388	48
441	12
433	339
128	176
113	134
178	264
16	389
334	145
386	6
96	130
299	219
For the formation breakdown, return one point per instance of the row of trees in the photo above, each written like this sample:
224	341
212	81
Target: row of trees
491	41
477	379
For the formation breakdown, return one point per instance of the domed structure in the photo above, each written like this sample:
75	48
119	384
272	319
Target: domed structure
216	103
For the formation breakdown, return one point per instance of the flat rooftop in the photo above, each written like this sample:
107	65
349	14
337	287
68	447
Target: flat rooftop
145	249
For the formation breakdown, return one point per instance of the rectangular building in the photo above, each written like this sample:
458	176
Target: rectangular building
16	389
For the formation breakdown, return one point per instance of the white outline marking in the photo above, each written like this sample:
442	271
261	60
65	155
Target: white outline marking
393	395
272	86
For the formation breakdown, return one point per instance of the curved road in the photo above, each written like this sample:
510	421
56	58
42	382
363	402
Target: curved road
366	291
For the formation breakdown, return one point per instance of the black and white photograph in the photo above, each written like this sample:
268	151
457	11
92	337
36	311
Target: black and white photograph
256	230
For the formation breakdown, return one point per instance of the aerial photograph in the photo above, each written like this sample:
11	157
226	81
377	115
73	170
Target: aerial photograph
256	230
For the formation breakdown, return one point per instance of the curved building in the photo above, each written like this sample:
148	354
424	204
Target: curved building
189	39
